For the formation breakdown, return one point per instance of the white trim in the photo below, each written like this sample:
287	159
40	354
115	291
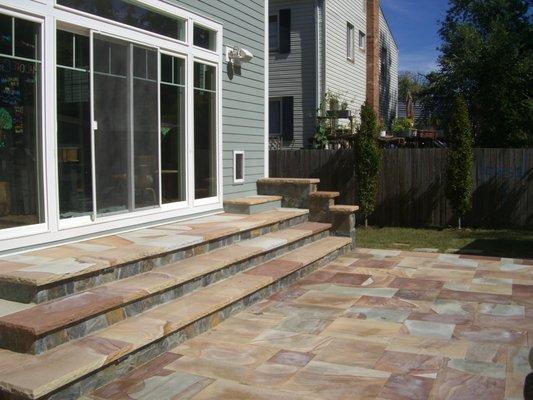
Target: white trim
242	180
266	172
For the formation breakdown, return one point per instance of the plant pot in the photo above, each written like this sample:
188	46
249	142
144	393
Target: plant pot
339	113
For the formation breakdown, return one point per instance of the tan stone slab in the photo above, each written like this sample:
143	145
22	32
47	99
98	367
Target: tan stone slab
224	389
452	348
291	181
9	307
252	200
320	299
302	342
325	195
368	330
353	352
343	209
317	250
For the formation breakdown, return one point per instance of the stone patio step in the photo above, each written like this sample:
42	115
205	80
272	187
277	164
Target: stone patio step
80	366
42	275
40	328
252	204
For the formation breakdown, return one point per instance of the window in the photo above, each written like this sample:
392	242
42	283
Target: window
205	128
173	136
275	117
128	13
205	38
238	167
21	188
362	40
273	33
74	125
350	41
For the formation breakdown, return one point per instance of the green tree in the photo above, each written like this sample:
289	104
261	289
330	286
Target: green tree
410	83
367	160
487	56
459	180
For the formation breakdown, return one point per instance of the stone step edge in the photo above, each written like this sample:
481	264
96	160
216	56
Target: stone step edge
253	200
324	195
95	374
31	292
25	339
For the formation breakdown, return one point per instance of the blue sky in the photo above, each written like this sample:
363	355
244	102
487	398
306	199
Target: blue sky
415	25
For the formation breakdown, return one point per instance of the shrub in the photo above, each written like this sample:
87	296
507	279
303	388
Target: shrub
367	161
459	181
402	125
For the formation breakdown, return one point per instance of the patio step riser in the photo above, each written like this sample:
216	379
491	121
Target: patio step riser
128	363
26	293
23	342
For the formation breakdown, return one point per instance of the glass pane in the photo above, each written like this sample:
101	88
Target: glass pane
205	153
74	143
20	131
205	38
273	32
112	139
166	69
131	14
145	124
204	76
27	39
179	71
173	143
6	35
239	166
139	63
274	117
82	51
65	48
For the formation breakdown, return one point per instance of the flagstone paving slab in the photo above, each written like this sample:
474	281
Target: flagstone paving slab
363	327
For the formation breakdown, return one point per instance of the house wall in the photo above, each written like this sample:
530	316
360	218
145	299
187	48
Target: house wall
244	94
344	77
294	74
388	82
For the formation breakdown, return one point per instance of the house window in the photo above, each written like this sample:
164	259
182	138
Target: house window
21	188
350	41
205	38
362	40
173	135
205	128
275	117
238	167
273	33
128	13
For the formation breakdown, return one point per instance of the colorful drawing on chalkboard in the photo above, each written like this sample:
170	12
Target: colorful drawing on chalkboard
6	124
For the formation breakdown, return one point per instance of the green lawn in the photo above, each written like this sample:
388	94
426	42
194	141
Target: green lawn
499	243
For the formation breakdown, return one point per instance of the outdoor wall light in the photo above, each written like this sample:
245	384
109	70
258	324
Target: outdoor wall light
238	56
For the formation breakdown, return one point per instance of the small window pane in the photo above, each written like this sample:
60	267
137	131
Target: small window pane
82	51
179	71
119	59
26	39
166	68
275	117
204	76
239	166
6	35
139	62
65	48
205	38
132	15
350	41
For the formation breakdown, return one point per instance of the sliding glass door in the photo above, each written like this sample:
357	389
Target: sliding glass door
126	126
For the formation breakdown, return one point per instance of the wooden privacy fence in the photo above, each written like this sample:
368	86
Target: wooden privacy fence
411	184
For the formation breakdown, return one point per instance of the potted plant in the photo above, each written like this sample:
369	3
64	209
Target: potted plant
403	127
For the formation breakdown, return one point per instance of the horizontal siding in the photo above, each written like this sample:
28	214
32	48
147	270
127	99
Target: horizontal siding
388	85
343	77
243	113
294	74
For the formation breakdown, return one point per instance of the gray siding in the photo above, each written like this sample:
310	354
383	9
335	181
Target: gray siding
388	83
344	77
244	94
294	74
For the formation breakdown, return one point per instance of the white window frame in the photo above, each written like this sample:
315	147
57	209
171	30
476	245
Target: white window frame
51	16
350	42
362	40
243	179
280	101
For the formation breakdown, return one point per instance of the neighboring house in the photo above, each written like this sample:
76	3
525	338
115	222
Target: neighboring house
119	114
327	45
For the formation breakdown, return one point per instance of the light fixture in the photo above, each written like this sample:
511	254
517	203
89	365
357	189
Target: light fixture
237	55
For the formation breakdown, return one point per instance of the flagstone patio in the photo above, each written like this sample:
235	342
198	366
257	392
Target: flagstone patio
375	324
